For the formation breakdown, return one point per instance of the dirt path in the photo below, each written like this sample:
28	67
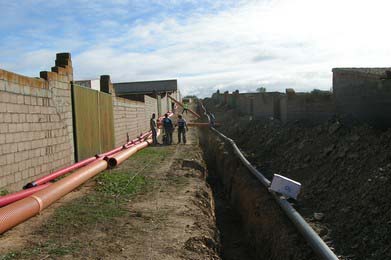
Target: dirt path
175	220
169	215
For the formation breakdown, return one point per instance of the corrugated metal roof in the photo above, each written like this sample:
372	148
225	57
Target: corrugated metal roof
144	87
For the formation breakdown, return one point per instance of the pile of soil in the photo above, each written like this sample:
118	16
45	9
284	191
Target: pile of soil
345	172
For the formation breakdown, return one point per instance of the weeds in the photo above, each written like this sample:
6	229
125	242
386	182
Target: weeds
97	210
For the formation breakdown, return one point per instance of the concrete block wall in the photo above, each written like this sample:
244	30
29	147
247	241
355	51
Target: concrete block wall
287	107
245	104
315	108
129	118
364	95
36	131
267	105
164	104
150	108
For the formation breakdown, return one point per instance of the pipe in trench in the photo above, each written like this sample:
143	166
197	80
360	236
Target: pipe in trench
317	244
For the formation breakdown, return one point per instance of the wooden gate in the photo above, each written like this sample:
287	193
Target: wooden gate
93	125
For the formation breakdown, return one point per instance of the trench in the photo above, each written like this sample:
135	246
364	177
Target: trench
229	224
251	225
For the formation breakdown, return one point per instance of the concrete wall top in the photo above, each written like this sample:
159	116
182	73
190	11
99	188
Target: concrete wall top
22	80
376	73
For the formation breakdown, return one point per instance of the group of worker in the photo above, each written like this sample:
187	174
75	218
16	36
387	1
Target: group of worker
168	127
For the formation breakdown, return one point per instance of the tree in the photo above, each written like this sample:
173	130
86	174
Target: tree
261	89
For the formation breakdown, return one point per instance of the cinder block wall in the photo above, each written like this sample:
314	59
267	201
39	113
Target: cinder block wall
129	118
315	108
36	135
150	108
244	104
363	96
164	105
264	105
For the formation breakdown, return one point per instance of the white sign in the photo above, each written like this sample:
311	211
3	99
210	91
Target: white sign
285	186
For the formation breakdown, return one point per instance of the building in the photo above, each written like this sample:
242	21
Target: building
91	83
159	89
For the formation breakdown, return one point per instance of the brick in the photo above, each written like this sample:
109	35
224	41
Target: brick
7	118
10	158
15	118
3	128
18	176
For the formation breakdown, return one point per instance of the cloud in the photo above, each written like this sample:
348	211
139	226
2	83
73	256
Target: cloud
207	45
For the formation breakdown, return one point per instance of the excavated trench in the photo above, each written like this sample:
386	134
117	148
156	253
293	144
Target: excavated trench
251	224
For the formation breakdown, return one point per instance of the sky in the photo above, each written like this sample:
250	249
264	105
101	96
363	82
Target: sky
208	45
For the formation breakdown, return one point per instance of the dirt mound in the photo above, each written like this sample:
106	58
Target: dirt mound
345	172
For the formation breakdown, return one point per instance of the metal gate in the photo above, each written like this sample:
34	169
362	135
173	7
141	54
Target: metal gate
93	124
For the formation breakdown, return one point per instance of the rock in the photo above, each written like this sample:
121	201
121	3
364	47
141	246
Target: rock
318	216
355	138
301	145
328	150
323	232
334	127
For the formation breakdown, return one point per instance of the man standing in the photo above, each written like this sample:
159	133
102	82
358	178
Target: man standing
185	108
153	126
182	128
168	129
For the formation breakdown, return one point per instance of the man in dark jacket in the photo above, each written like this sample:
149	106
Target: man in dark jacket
182	128
168	129
153	126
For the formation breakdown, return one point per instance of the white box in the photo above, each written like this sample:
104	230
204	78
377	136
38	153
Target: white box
285	186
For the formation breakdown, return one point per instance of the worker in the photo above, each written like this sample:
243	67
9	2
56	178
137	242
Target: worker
185	108
168	129
182	128
153	126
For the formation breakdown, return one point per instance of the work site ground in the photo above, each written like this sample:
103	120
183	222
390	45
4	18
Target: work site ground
156	205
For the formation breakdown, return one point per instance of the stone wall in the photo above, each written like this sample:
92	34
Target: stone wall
36	131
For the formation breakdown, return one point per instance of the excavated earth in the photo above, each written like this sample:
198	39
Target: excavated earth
345	171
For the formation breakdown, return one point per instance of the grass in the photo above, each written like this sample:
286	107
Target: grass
120	183
99	209
49	248
3	192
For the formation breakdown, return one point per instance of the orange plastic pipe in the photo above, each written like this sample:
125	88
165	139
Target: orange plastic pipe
19	211
15	213
125	154
179	103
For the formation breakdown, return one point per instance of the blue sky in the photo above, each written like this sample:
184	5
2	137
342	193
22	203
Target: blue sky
207	45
